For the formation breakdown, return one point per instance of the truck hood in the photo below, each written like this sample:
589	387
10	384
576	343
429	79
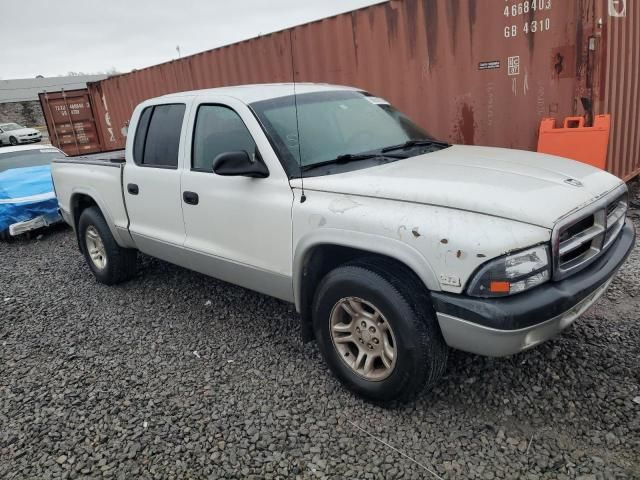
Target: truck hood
525	186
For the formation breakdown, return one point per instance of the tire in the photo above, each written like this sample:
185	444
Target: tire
13	141
420	356
111	264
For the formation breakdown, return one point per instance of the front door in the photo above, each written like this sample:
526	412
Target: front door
240	228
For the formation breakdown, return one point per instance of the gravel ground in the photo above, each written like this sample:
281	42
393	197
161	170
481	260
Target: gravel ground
176	375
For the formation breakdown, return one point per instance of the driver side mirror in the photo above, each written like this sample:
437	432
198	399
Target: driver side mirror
233	164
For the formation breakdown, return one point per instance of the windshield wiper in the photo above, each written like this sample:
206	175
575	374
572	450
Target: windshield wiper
415	143
350	157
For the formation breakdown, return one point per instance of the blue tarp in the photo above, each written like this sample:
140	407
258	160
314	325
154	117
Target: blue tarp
27	193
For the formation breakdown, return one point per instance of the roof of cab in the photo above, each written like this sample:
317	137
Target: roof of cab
262	91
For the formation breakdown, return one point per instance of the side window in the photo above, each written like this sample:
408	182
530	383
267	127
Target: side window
162	139
141	135
218	130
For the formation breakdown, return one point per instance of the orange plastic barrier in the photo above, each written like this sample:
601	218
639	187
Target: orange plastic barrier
575	141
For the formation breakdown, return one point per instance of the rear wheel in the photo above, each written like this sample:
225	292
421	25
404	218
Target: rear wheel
376	337
109	262
13	141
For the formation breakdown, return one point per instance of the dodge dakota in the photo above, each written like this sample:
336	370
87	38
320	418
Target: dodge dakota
394	247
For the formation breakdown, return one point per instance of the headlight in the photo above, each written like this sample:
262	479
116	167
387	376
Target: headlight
512	273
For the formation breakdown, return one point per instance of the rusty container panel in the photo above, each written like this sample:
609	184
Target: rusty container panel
620	85
261	60
469	71
70	122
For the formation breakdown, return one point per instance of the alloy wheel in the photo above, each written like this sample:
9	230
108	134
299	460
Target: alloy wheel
95	247
363	338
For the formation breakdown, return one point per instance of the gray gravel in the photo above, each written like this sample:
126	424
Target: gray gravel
176	375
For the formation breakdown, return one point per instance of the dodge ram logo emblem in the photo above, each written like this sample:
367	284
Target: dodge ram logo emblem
574	182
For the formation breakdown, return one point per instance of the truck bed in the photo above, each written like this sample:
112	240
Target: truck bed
99	177
116	156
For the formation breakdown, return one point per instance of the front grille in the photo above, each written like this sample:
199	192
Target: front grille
582	237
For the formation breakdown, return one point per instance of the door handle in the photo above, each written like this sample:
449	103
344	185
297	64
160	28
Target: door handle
190	197
133	189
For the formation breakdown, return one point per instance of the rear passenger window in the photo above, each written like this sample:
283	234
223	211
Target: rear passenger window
141	134
162	137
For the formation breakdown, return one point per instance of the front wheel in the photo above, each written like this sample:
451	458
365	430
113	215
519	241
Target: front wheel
109	262
13	141
375	337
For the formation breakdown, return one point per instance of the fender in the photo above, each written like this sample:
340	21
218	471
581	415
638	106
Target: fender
120	233
389	247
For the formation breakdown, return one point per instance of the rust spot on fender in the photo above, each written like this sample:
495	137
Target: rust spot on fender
415	232
481	255
459	253
444	240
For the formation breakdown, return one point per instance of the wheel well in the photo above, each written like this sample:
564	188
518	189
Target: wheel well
79	203
324	258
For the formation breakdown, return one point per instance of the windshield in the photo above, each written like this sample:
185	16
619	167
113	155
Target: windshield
28	158
8	127
333	124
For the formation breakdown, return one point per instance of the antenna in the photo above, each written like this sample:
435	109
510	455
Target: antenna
303	197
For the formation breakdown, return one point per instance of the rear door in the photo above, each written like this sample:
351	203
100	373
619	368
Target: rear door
151	181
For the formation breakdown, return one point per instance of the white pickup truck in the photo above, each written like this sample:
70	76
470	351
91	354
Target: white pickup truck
394	247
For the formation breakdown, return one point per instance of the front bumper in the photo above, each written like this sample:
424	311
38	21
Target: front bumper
504	326
29	139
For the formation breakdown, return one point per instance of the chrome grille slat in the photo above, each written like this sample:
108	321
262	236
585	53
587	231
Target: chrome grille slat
580	239
614	227
574	263
615	216
598	226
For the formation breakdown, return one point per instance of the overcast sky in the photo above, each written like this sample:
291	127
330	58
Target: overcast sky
53	37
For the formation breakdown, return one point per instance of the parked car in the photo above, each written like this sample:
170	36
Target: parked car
393	246
14	134
27	199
